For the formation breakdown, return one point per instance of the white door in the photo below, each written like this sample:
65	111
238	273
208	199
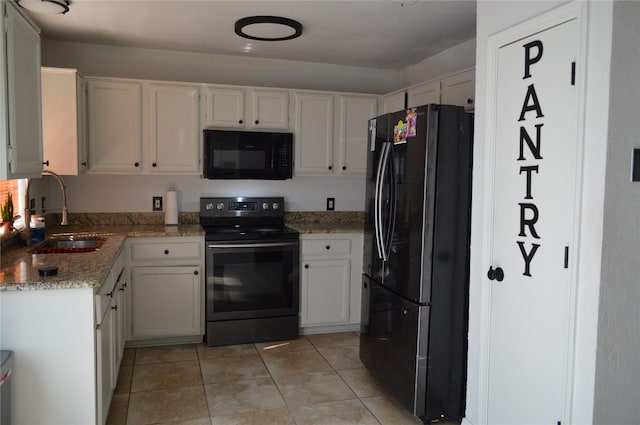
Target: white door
534	212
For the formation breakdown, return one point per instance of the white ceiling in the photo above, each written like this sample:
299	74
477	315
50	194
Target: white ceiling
387	34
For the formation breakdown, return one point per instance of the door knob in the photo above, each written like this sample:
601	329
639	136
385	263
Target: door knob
495	274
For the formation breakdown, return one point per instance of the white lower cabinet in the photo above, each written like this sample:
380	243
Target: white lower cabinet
110	317
330	290
167	287
166	301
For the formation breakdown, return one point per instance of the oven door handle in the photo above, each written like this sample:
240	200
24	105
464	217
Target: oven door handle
252	245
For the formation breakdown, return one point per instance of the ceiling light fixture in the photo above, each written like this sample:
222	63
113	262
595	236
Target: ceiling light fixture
268	28
49	7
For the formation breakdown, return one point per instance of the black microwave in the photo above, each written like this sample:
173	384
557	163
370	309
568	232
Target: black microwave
247	155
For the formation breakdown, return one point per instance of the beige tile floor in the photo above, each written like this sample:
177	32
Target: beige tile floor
315	379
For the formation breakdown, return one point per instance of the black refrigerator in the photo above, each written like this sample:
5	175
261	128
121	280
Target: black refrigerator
416	257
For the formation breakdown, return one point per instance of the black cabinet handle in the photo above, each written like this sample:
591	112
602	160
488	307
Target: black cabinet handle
46	163
327	247
84	164
166	252
137	164
196	272
495	274
306	266
469	101
115	307
257	122
330	167
344	168
239	121
110	294
154	165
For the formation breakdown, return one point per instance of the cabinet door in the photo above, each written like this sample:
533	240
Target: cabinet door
423	94
63	121
355	112
458	89
166	301
224	107
24	133
393	102
174	129
105	363
115	126
270	109
313	133
325	292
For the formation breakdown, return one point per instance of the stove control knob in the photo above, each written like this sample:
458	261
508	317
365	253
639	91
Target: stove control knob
208	206
265	205
276	205
220	206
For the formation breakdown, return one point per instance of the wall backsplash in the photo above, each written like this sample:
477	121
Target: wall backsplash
116	194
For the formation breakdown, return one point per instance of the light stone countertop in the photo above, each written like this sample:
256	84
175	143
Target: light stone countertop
326	221
19	265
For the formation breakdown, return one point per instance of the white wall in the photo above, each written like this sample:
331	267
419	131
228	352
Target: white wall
452	60
100	193
617	389
129	62
493	17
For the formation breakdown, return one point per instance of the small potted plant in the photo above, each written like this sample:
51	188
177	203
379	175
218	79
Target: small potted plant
6	213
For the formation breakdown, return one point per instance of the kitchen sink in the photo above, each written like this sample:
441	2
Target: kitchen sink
70	245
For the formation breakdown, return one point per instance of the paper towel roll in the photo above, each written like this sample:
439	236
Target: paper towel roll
171	207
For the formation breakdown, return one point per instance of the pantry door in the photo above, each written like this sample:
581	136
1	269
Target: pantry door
534	150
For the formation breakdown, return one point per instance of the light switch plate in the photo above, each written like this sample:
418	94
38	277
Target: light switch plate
157	203
635	166
331	204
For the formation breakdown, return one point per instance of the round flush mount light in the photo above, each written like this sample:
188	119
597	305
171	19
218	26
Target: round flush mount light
48	7
268	28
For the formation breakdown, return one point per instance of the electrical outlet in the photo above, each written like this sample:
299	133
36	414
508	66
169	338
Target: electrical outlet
331	204
157	203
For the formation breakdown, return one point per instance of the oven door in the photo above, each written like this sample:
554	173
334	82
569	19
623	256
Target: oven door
251	279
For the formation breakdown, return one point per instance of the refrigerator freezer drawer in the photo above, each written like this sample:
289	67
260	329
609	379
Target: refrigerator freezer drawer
390	347
421	364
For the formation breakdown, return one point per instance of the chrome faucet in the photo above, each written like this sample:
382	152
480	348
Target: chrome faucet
27	211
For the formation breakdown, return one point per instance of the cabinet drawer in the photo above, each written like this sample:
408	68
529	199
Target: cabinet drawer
164	250
326	247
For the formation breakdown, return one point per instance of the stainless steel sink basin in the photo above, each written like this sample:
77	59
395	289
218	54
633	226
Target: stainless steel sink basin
58	246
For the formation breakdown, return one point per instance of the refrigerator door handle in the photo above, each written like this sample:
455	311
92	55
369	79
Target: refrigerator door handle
393	193
377	209
384	230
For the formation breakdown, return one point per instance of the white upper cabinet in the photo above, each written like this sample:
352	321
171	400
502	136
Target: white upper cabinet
324	149
252	108
354	113
143	127
459	89
224	107
393	102
313	133
423	94
64	130
270	109
115	126
20	107
173	128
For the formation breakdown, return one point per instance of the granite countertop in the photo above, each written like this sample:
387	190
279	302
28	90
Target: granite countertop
326	222
19	264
